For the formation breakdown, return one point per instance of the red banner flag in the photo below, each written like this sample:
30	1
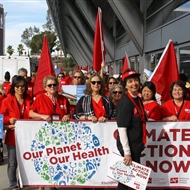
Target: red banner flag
126	64
45	68
165	72
99	45
86	68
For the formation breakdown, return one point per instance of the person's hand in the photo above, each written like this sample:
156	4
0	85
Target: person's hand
102	119
65	118
46	118
102	64
11	127
127	160
12	121
93	119
172	118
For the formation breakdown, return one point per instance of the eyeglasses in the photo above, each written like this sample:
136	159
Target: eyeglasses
22	86
112	82
77	77
96	82
117	92
51	85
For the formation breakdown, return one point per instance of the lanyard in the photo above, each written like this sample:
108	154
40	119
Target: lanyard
142	115
53	102
178	112
139	109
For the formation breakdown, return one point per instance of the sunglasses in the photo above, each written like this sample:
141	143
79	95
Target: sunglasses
87	78
51	85
96	82
77	77
18	86
117	92
112	82
60	76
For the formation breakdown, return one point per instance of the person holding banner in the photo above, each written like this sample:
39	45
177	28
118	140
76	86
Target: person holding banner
94	106
152	108
15	106
131	121
178	108
50	105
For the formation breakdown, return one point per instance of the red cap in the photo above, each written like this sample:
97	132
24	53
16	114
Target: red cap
130	73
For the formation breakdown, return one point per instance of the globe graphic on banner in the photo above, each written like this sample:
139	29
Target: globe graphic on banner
56	143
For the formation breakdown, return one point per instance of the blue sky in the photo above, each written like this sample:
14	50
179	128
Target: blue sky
22	14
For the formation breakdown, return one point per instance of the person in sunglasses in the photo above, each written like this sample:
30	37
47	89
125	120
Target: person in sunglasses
15	106
131	122
78	78
110	83
50	105
116	92
94	106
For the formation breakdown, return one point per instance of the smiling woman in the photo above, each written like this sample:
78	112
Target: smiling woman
15	106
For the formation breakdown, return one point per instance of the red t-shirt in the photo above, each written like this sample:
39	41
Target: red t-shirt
169	109
153	111
99	110
44	105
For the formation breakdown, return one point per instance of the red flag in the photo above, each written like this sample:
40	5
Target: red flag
126	64
99	45
45	68
86	68
165	72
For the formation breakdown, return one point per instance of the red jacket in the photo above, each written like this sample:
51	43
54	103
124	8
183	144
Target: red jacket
9	108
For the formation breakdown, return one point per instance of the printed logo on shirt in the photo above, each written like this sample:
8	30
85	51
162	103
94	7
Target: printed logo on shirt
187	110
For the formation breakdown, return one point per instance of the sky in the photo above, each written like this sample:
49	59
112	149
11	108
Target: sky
22	14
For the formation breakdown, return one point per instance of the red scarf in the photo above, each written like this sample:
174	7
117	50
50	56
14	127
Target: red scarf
140	109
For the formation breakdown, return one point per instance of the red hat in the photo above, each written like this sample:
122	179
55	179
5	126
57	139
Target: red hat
129	73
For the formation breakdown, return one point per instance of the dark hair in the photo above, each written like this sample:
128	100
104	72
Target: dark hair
107	83
183	77
180	84
17	80
151	86
7	76
88	89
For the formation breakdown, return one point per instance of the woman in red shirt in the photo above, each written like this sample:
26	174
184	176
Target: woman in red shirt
178	108
152	108
50	105
15	106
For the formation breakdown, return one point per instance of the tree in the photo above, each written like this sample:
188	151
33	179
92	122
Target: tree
37	41
49	26
20	49
27	35
10	50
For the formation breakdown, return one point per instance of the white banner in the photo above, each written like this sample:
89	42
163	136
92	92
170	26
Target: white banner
77	153
72	154
168	154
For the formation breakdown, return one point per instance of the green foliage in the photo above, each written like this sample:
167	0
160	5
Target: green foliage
10	50
37	41
27	35
20	49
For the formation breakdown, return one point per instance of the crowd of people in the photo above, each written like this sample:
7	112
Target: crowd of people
124	100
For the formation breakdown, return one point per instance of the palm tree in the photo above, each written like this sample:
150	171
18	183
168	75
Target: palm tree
20	49
10	50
